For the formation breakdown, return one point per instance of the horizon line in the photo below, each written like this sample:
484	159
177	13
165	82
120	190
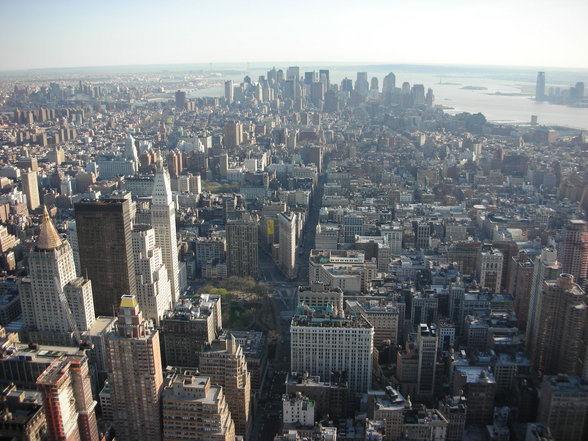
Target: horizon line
300	63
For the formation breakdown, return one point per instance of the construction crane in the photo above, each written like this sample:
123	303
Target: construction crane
70	318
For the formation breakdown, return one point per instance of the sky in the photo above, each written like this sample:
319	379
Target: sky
74	33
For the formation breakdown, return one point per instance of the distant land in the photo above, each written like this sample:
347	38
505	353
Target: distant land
443	71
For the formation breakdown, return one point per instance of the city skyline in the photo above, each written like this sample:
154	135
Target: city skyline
108	34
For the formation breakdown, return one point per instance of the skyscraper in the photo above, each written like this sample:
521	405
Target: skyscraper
574	256
540	87
135	374
106	250
180	99
293	73
229	92
52	284
163	220
242	248
562	325
67	399
324	76
224	362
153	286
233	134
427	348
361	84
546	267
30	187
389	84
287	251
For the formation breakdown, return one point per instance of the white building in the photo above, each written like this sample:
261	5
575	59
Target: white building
53	274
322	343
163	219
153	286
297	409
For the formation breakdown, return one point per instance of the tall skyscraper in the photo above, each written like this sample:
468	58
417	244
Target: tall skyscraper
520	283
163	220
104	230
30	187
188	399
540	87
229	91
546	267
180	99
324	77
153	286
135	374
563	318
52	283
574	256
293	73
323	344
287	250
427	348
233	134
389	84
242	248
224	362
361	84
67	399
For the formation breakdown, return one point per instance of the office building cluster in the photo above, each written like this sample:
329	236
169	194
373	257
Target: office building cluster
572	96
298	259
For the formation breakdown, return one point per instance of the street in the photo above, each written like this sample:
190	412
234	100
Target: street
268	416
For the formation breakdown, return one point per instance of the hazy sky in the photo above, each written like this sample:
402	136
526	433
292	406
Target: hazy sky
63	33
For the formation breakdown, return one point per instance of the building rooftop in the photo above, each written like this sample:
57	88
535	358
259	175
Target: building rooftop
321	317
48	236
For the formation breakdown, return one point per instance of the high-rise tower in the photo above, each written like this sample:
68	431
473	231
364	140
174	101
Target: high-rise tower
52	279
242	248
540	87
67	399
546	267
104	230
229	91
287	250
224	362
562	328
135	374
163	220
574	258
30	187
153	287
427	347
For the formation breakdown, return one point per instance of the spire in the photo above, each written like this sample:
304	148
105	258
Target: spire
48	237
162	194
